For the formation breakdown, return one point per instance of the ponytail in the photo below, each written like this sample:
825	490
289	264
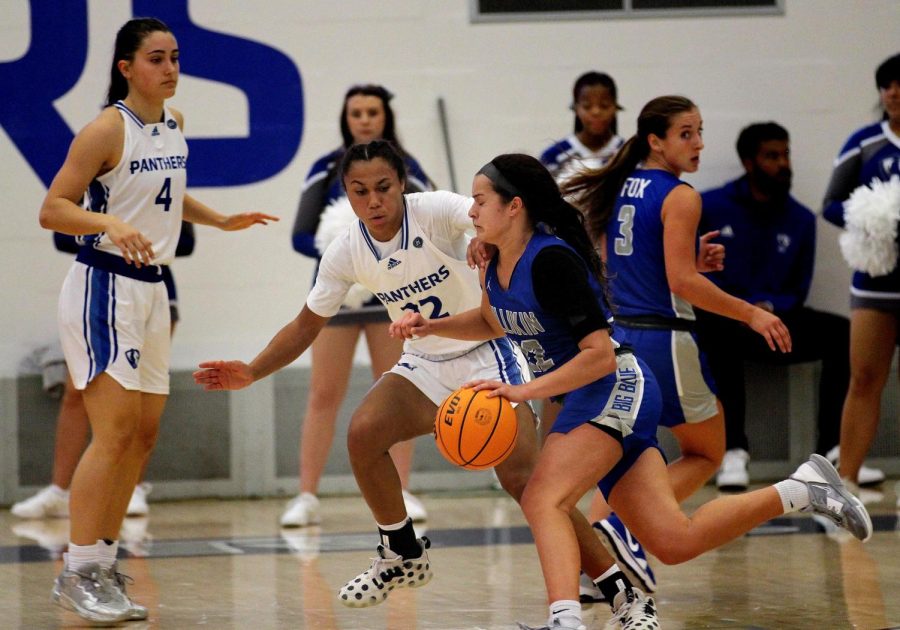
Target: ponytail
519	175
595	191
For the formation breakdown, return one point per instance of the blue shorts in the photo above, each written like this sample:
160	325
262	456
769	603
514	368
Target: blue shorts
685	382
628	402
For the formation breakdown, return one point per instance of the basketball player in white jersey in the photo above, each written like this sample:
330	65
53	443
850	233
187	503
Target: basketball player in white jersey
129	165
410	252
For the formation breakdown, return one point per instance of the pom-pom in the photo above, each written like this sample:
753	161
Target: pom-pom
871	215
334	221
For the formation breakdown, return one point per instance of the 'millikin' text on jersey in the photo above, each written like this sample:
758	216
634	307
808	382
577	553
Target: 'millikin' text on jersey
525	324
425	283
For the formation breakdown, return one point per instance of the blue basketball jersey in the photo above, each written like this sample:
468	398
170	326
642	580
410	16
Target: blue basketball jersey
635	257
544	338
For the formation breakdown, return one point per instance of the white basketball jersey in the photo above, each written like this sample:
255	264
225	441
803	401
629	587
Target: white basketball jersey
424	271
146	188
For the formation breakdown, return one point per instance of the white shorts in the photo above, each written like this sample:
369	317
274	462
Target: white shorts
115	324
497	359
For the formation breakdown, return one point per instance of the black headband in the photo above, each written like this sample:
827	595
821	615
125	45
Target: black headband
493	173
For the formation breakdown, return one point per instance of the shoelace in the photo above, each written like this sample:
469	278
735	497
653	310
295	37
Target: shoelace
625	607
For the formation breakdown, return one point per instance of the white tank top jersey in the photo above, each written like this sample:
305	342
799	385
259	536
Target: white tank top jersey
423	268
146	188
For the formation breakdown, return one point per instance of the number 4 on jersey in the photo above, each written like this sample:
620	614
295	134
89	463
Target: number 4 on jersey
164	198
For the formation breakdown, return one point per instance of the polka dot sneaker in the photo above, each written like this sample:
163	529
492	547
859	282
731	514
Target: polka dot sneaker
388	571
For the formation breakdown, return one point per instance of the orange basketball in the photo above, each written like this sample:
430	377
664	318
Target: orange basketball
474	431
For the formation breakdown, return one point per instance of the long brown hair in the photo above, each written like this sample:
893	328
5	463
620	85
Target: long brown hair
595	190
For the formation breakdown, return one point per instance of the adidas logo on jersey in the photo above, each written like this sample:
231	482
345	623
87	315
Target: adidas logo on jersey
155	131
727	231
392	262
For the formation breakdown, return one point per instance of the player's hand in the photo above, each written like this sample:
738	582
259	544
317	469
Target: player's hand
136	248
513	393
479	253
410	325
244	220
772	329
711	256
217	375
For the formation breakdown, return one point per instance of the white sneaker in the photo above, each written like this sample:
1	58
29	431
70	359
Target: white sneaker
301	511
867	476
134	537
387	572
137	506
414	508
633	610
50	502
732	475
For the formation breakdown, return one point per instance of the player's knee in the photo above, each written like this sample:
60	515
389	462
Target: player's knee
116	445
514	481
366	435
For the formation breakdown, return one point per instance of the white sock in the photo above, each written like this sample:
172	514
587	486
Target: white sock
80	556
794	495
107	553
62	493
567	611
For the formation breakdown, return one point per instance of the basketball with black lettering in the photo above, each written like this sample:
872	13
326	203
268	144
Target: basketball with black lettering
473	431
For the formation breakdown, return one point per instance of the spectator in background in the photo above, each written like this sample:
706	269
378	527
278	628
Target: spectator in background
595	139
323	213
871	153
770	240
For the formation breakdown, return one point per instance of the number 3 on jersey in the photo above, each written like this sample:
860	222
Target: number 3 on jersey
624	244
164	198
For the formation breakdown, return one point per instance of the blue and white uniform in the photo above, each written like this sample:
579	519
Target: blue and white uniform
654	321
114	317
422	269
322	189
872	152
625	403
569	156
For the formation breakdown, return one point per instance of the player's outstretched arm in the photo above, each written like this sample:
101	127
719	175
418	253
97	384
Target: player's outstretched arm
197	212
290	342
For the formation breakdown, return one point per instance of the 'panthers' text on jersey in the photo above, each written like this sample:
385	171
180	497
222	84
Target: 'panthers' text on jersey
146	188
422	269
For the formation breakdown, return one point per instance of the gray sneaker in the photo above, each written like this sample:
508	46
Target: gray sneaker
828	496
91	594
119	580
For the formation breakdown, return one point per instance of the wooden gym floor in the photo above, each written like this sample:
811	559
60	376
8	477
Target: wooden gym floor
225	564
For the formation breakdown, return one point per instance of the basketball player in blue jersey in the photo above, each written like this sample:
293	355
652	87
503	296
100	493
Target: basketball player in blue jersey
410	251
871	153
645	220
129	164
544	289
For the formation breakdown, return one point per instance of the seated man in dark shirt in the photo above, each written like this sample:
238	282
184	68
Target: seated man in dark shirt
770	240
